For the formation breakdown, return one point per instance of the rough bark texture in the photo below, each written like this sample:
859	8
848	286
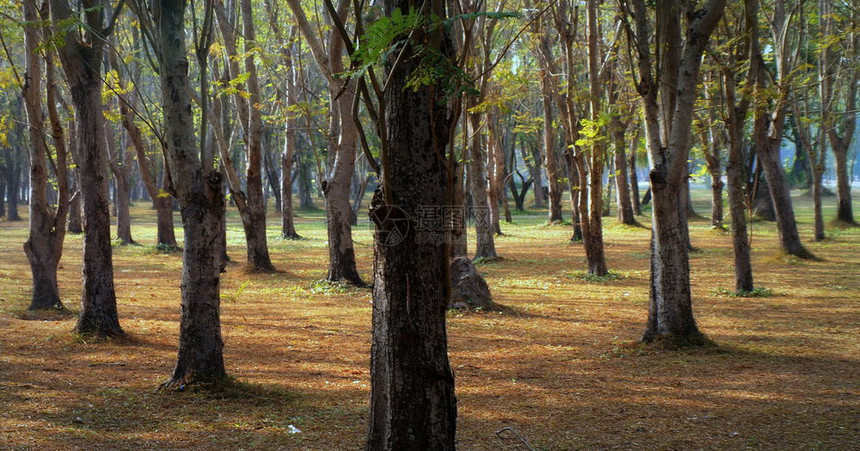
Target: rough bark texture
198	188
412	390
82	61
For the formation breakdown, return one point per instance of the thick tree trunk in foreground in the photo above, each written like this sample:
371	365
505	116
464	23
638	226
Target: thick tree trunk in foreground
198	188
82	61
412	390
44	246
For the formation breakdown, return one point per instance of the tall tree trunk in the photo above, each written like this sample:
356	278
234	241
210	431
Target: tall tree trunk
161	199
2	197
634	177
668	129
76	223
768	131
119	165
44	246
844	210
343	141
413	405
735	119
550	160
593	234
198	188
485	244
249	201
622	185
13	180
82	61
831	71
288	228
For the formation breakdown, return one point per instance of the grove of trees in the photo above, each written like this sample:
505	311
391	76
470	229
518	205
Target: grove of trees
445	111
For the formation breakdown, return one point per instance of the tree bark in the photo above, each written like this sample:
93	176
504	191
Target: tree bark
634	177
413	405
768	131
485	244
44	246
249	201
119	164
668	129
198	187
622	185
82	62
343	139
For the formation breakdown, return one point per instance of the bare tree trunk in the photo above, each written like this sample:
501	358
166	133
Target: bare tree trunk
119	164
768	131
622	185
198	188
82	61
549	151
593	233
343	141
76	223
44	246
668	129
735	118
634	177
413	405
844	210
485	245
2	197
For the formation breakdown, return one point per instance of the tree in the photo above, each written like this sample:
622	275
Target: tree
250	200
768	126
44	246
160	196
342	144
291	96
412	386
81	51
197	182
735	111
838	67
668	103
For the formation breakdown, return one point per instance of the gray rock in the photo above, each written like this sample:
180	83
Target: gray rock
468	289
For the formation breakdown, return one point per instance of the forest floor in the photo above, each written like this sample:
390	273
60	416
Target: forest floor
562	365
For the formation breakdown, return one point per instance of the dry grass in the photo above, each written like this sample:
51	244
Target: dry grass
562	366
